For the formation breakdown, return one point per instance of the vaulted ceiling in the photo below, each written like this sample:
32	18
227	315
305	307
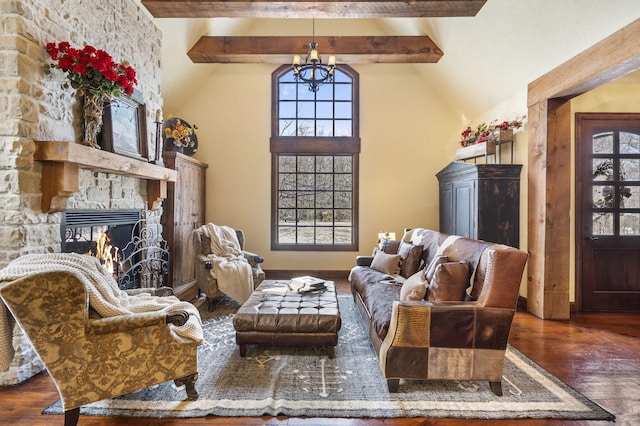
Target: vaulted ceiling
277	49
472	54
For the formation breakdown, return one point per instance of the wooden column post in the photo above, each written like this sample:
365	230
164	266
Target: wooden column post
549	221
549	130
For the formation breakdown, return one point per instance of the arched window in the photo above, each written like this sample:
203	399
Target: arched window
315	146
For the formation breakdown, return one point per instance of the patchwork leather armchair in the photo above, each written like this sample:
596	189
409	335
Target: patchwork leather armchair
206	274
91	358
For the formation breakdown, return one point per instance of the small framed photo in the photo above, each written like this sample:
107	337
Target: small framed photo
124	128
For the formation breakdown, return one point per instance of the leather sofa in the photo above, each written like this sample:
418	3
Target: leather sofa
445	312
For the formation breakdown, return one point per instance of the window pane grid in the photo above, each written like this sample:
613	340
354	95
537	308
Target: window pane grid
326	113
616	184
306	214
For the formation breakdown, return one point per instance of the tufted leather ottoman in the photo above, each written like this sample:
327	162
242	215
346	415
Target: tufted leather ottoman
276	315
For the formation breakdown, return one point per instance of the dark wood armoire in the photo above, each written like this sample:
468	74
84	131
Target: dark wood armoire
481	201
183	211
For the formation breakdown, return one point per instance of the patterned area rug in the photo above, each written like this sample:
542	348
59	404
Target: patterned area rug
304	382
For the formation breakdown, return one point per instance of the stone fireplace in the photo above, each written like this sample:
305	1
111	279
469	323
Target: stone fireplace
34	192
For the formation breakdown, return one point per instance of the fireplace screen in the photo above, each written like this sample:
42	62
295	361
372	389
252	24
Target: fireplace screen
122	241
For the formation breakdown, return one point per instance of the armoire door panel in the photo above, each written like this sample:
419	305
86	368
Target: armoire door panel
183	211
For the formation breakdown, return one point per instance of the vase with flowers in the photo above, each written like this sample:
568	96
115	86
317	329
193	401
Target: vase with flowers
96	77
180	136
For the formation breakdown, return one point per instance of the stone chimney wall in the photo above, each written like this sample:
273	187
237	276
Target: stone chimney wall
35	107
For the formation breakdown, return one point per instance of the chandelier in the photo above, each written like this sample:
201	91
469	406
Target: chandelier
312	71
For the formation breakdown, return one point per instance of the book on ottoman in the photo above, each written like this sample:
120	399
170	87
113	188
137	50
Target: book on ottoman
307	284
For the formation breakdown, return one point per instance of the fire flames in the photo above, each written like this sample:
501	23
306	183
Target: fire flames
107	253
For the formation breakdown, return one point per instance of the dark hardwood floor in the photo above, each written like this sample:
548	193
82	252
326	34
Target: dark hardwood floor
596	354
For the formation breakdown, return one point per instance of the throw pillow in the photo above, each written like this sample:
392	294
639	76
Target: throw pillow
449	283
389	246
410	255
414	288
387	263
431	269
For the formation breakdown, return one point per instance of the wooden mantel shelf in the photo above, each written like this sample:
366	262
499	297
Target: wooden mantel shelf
61	162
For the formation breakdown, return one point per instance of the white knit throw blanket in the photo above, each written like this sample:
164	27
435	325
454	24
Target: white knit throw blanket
104	295
230	267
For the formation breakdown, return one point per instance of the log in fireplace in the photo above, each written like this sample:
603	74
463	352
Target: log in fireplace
137	256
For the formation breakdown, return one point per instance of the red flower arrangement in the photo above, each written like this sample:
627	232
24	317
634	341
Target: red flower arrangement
92	71
487	132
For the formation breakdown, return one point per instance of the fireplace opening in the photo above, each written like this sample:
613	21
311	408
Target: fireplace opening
121	240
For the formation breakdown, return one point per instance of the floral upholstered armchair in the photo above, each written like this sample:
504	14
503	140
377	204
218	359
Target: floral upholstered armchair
209	271
57	299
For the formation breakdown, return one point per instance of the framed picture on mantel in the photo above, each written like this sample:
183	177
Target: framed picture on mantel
124	129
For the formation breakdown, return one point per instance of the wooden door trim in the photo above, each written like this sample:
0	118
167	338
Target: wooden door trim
613	57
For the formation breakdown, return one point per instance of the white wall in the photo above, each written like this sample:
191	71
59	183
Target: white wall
405	137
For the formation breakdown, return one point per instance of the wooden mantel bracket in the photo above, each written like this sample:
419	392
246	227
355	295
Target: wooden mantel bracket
61	162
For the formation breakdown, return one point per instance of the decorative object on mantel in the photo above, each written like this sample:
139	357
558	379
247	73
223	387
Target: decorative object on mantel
92	112
482	141
157	156
180	136
124	129
96	77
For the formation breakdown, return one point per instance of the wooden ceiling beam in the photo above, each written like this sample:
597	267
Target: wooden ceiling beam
346	49
312	9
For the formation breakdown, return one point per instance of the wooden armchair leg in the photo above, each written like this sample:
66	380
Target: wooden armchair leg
393	384
496	388
189	383
71	417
